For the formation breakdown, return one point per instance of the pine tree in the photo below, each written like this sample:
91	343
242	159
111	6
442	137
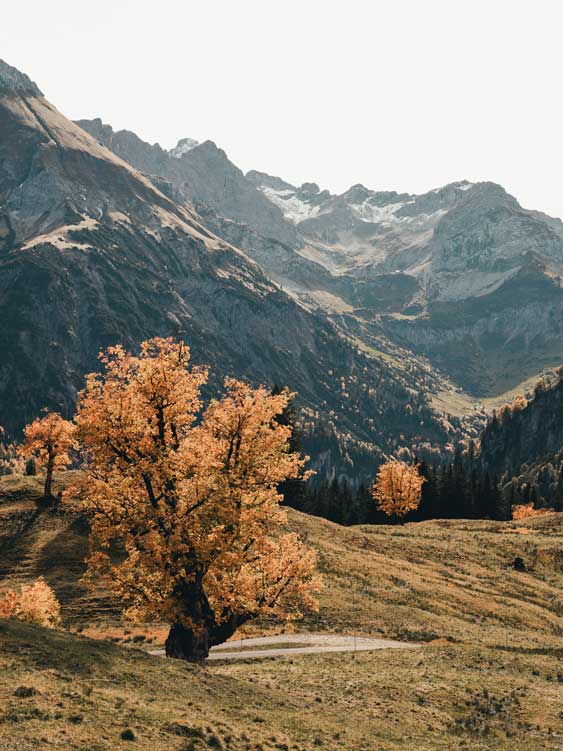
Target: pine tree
500	503
293	490
458	492
428	499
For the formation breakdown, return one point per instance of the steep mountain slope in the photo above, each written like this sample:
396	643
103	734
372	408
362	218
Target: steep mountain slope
201	174
294	261
523	445
463	275
93	253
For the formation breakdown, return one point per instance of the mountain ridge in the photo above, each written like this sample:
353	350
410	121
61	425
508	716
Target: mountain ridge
94	253
14	82
464	264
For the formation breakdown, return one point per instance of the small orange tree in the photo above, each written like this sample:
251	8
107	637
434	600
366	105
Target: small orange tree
49	440
193	504
397	488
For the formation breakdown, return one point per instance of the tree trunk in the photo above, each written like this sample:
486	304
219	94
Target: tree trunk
185	644
220	632
48	479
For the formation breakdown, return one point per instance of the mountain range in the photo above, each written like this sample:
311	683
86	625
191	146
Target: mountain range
462	276
392	315
93	252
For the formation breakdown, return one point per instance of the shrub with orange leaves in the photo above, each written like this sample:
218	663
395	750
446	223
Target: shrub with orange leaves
191	500
49	440
35	603
527	510
397	488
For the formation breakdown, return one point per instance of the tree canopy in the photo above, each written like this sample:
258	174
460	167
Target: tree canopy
189	496
49	440
397	488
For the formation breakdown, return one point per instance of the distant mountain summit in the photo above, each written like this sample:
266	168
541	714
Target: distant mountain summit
183	146
200	173
462	275
14	82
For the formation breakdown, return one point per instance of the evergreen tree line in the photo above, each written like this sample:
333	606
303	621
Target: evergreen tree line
458	490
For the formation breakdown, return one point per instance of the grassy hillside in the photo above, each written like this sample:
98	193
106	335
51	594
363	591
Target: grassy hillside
442	579
63	691
448	579
488	673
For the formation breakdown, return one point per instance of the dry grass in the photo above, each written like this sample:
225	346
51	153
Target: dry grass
85	694
437	697
442	579
490	675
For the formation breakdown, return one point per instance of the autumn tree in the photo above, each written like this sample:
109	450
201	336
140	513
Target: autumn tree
190	501
49	440
397	488
527	511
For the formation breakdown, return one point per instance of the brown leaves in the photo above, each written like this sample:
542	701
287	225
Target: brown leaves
35	603
397	488
190	500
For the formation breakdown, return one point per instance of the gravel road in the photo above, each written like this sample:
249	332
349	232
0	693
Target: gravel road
308	644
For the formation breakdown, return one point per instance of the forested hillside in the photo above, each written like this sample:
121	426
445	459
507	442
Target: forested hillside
522	444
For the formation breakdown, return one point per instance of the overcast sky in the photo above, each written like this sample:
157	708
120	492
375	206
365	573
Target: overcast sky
400	95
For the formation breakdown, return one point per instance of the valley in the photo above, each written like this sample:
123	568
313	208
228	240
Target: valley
281	467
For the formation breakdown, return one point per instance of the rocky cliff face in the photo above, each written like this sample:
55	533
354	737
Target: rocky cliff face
201	174
462	275
92	252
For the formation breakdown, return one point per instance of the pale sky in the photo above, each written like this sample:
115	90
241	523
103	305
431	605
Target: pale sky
403	95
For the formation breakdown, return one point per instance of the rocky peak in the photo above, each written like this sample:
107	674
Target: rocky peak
183	146
13	83
263	180
309	189
492	193
98	129
357	194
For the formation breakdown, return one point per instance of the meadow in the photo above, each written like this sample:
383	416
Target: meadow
482	601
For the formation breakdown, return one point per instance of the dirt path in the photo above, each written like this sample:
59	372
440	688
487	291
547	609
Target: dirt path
249	649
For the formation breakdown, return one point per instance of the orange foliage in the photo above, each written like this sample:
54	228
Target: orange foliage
35	603
194	504
527	510
519	403
397	488
49	439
